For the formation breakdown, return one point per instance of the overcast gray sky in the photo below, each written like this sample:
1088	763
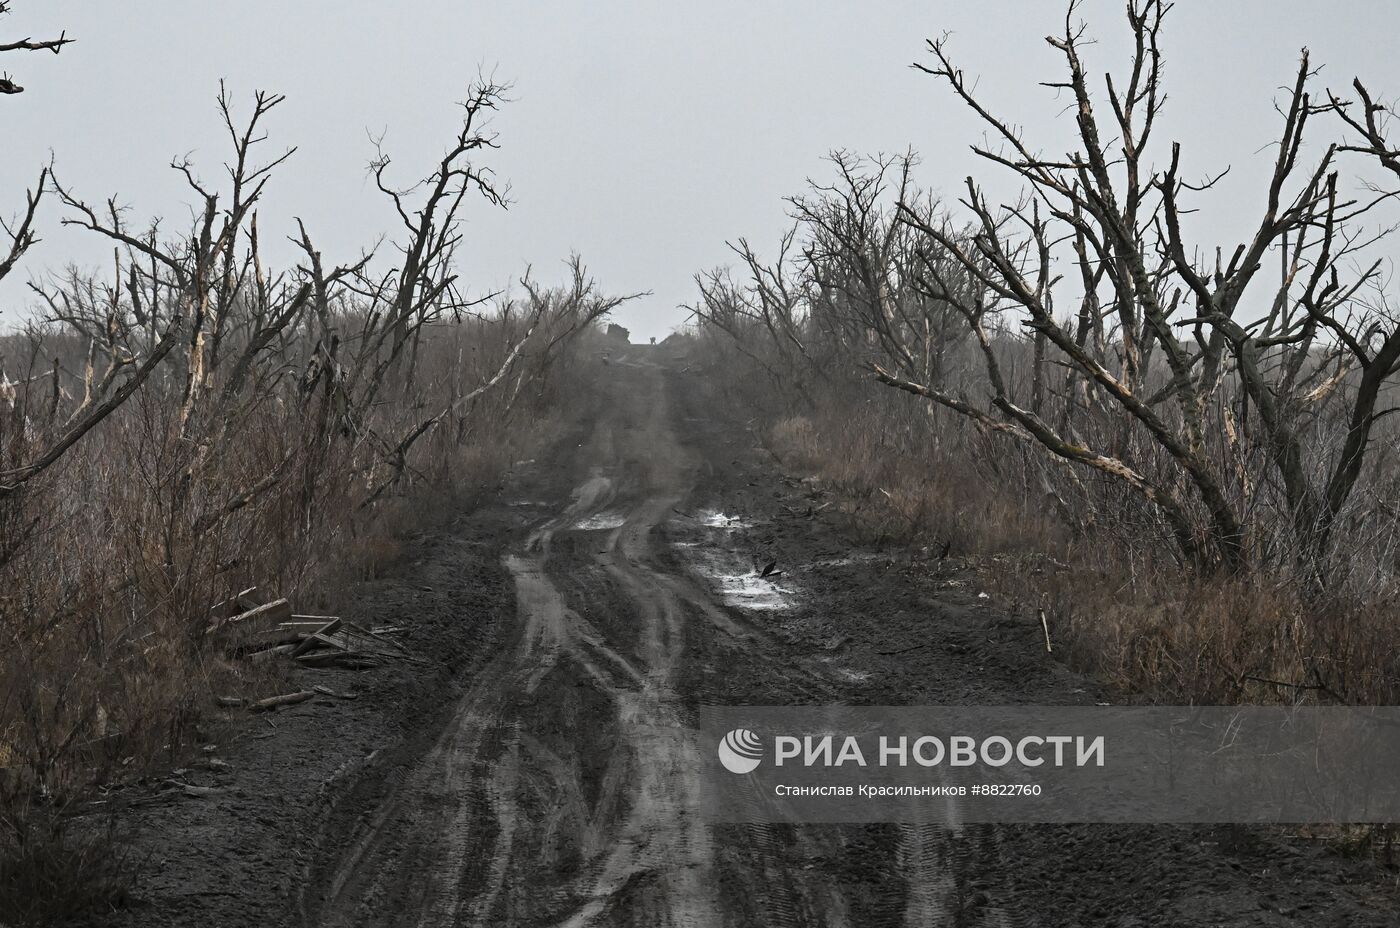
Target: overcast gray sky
643	135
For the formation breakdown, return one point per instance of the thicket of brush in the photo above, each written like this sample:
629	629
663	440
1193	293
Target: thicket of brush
1183	450
193	422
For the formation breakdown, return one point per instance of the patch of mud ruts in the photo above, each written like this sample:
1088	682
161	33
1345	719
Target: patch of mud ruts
581	809
564	789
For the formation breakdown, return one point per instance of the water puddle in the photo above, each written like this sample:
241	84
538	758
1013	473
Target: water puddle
742	588
750	591
601	522
736	581
711	518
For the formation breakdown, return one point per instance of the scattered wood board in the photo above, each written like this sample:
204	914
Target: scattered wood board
260	631
319	636
256	619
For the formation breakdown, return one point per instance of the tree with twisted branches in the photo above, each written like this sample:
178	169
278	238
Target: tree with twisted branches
1161	334
21	232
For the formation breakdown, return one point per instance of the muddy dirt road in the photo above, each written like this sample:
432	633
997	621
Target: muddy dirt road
563	789
542	774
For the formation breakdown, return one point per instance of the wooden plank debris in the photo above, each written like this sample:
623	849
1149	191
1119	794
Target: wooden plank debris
229	607
319	637
239	602
255	619
281	633
265	654
259	631
337	655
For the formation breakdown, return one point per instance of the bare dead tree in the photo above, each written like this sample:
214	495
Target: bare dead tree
423	288
767	307
247	182
191	281
725	307
570	309
97	405
397	456
1367	341
863	264
1140	283
844	287
186	270
209	290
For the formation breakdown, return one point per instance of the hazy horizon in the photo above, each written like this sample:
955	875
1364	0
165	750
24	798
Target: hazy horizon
641	137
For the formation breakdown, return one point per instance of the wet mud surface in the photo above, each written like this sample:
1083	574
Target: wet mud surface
534	766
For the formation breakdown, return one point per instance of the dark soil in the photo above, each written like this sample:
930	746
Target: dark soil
532	768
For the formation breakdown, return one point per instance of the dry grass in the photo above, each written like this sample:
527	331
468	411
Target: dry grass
1225	642
904	488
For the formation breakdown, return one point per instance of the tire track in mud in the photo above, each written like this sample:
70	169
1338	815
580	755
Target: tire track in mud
565	788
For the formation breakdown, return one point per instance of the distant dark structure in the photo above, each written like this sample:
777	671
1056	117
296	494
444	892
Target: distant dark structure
619	334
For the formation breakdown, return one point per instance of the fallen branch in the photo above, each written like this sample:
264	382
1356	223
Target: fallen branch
277	702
